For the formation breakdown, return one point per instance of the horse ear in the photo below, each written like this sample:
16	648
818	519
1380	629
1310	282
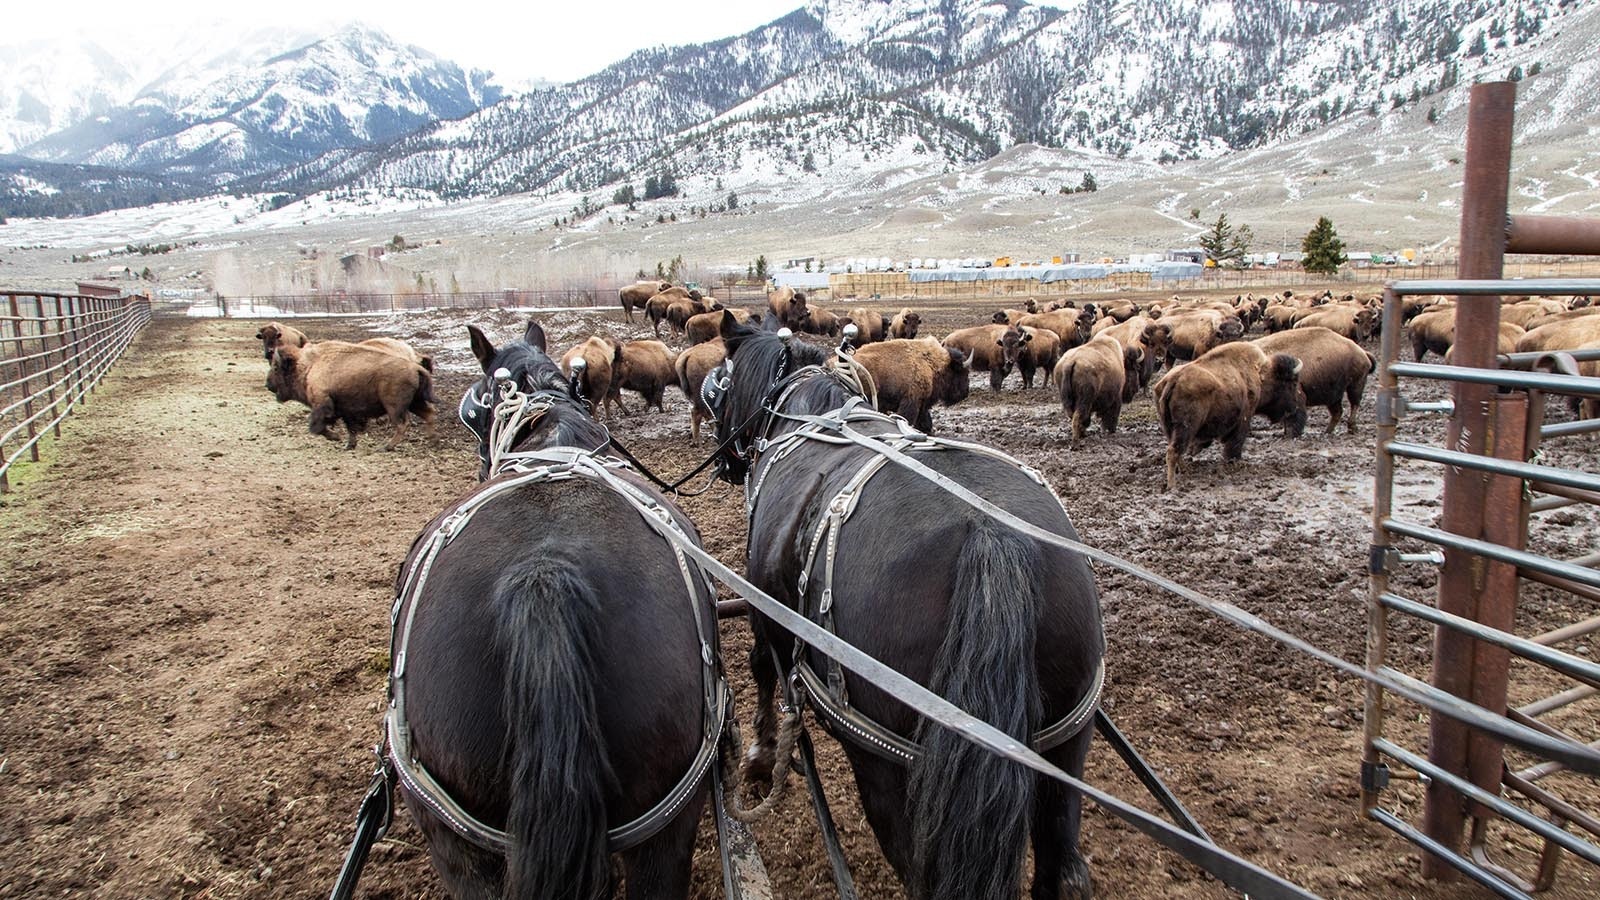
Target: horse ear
534	336
481	347
727	326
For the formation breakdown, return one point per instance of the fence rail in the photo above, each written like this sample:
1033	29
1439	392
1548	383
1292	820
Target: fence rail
54	349
354	303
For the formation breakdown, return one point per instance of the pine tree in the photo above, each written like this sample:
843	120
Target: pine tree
1224	242
1089	184
1324	252
733	200
761	268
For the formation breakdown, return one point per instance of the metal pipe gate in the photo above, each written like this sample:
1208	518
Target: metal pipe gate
1491	491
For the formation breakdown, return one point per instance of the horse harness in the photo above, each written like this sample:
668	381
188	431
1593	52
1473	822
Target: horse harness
511	471
827	692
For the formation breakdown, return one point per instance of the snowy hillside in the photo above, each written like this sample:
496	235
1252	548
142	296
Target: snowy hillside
840	83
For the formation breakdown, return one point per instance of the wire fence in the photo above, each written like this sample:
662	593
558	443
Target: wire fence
54	349
601	293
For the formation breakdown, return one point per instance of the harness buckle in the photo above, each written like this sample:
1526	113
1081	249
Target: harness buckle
826	605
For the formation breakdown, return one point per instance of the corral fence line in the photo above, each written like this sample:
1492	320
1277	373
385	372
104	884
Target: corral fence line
601	296
54	349
1497	483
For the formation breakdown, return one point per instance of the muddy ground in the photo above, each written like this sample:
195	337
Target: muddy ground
194	605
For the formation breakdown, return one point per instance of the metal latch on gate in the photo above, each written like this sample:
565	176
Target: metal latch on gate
1385	560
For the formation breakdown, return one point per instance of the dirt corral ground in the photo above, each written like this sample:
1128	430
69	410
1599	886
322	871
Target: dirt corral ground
194	607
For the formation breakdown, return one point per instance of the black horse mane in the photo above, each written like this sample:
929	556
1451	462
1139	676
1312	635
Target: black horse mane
566	424
761	360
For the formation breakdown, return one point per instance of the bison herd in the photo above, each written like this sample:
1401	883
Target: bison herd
1208	377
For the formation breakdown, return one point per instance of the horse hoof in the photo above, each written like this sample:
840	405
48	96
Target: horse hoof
1075	881
758	764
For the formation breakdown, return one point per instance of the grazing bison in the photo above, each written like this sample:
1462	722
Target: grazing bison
600	356
707	326
1579	312
914	375
1215	397
871	327
1334	369
990	348
639	293
692	367
275	334
905	324
1097	378
1432	331
353	384
645	367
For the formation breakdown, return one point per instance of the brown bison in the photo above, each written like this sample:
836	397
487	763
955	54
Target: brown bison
905	324
1334	369
1136	333
600	358
680	311
1215	397
692	367
275	334
645	367
990	348
1097	378
1072	326
401	349
1191	333
821	321
353	384
655	309
1039	352
914	375
789	305
1355	322
639	293
1432	332
707	326
871	327
1582	333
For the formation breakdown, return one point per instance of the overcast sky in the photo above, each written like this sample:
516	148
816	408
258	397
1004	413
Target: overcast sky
542	39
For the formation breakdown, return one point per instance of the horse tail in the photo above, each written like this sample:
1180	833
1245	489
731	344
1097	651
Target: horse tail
970	810
549	626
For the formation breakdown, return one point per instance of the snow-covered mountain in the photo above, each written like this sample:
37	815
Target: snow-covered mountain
844	93
841	82
225	112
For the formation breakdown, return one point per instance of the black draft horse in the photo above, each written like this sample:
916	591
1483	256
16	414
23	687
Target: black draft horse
998	624
553	678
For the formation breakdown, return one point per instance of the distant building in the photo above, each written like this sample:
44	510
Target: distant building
1187	254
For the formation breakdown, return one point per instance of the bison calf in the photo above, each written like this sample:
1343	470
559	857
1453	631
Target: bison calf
644	367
